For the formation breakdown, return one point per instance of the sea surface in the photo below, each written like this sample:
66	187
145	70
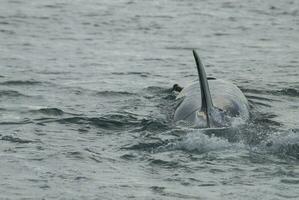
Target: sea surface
86	104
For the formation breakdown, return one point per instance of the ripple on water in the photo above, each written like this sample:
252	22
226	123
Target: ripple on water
90	58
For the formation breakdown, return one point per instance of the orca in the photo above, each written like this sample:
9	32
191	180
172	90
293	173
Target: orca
210	102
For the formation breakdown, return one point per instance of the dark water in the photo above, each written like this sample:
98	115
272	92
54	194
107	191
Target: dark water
86	108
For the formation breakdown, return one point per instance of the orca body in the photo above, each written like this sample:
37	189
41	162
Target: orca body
211	103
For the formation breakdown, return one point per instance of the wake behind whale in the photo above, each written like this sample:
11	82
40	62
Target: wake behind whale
210	103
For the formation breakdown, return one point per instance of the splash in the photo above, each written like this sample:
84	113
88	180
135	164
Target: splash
283	144
200	142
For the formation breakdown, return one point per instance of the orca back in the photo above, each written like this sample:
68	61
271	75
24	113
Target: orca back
226	97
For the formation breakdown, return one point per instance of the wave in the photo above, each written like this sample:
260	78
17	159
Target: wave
112	122
166	163
114	93
199	142
253	102
25	121
153	125
49	111
145	145
15	139
288	92
282	144
108	122
282	92
11	93
157	89
142	74
19	82
264	119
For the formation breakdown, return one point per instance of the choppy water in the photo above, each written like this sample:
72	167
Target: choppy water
86	106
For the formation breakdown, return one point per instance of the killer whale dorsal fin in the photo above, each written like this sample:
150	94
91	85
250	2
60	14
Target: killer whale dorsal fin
207	103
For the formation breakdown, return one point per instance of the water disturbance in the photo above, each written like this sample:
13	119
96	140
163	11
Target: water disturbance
86	105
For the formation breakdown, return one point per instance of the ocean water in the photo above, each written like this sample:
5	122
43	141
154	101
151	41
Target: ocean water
86	104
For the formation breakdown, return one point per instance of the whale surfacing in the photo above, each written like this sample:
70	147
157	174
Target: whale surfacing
211	103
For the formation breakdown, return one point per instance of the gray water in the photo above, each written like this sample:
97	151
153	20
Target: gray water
86	107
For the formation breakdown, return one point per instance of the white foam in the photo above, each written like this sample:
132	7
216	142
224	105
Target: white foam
283	143
198	141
